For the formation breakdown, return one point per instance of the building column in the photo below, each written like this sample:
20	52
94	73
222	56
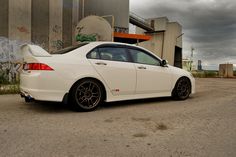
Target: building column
67	23
20	20
75	20
55	25
40	23
4	17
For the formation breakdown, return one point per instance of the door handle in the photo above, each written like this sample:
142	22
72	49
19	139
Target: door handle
142	67
101	63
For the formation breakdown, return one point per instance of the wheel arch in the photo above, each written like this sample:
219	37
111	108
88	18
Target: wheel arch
178	80
91	78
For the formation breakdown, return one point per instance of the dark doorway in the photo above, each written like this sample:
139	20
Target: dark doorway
178	57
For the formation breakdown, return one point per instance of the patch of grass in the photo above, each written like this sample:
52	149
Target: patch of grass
206	74
140	135
9	89
3	79
141	119
108	120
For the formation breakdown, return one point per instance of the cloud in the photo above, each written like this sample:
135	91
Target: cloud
209	25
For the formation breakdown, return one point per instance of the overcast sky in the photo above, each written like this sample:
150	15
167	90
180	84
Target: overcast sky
208	25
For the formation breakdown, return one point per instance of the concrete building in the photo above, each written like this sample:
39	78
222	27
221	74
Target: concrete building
166	40
226	70
199	65
49	23
187	64
52	24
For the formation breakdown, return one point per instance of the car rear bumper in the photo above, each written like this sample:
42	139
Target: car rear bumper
41	86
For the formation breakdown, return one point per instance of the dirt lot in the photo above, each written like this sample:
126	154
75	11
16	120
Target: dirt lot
204	125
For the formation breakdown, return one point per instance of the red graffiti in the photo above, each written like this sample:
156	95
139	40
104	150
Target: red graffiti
23	29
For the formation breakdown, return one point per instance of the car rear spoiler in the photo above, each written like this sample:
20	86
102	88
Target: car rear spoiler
34	50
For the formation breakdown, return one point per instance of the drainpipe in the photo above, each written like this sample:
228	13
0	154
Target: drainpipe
162	47
82	9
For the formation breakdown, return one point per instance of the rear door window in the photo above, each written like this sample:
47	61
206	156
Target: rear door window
111	53
114	54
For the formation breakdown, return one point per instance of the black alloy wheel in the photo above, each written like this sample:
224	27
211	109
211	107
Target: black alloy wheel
182	89
87	95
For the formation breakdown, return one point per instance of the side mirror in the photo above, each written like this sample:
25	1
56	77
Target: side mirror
164	63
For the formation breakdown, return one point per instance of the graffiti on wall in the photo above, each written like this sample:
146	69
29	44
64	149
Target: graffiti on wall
85	37
10	60
22	29
57	44
57	29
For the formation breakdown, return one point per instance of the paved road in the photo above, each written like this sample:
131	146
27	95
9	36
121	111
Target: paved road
204	125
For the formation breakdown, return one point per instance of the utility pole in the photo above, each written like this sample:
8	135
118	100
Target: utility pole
191	58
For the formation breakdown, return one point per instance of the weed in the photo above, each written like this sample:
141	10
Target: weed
162	126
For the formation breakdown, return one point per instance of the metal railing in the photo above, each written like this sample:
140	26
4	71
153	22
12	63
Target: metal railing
140	22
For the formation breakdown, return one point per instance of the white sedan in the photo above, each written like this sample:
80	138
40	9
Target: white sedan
88	74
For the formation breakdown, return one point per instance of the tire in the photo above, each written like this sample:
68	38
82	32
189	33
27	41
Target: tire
86	95
182	89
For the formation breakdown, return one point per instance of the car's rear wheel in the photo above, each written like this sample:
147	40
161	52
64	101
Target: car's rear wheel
86	95
182	89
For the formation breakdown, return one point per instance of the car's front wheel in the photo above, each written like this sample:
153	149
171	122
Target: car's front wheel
86	95
182	89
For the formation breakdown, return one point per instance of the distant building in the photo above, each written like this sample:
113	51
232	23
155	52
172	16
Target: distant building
187	64
226	70
199	65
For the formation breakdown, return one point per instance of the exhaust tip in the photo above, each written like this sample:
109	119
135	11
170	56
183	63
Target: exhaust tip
27	97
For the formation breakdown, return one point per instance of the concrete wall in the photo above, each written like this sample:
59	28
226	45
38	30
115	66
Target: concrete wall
159	24
55	25
118	8
48	23
20	20
75	20
4	18
52	23
170	41
40	23
67	22
165	41
155	44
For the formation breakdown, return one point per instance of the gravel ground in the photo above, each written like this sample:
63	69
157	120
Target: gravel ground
204	125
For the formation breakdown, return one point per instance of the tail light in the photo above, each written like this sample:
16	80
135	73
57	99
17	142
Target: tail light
37	66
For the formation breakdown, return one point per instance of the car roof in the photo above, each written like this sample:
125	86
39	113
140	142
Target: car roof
97	43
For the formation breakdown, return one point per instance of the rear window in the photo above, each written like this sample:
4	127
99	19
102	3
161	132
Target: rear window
68	49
